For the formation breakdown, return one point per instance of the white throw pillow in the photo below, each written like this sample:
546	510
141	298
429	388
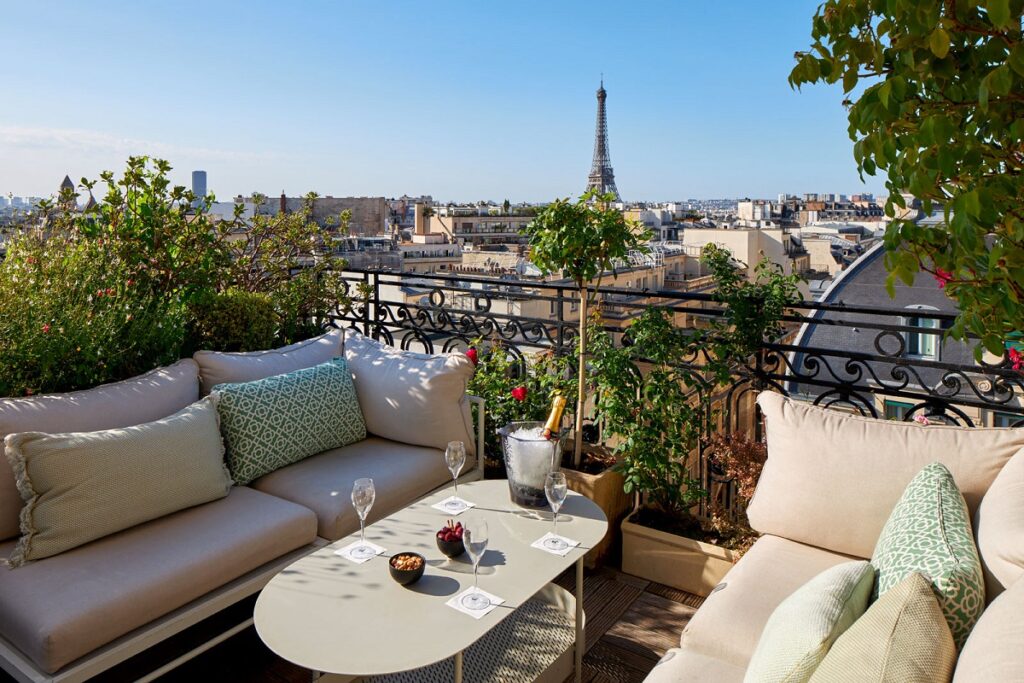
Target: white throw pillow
803	627
415	398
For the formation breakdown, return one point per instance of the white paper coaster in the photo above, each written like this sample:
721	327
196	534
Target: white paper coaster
346	552
463	505
456	603
569	544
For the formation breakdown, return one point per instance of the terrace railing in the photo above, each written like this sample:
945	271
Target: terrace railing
871	360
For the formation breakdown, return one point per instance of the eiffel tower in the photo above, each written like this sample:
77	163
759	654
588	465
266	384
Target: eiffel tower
602	177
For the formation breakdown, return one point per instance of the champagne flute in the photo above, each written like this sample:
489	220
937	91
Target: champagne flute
455	458
474	537
556	489
363	495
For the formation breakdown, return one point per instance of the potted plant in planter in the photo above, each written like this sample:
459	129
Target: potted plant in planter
660	411
582	241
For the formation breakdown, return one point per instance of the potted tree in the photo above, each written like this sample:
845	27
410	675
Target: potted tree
582	241
660	411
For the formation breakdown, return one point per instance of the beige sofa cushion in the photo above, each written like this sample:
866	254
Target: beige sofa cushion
61	608
80	486
687	666
415	398
216	367
323	483
902	638
999	526
994	651
729	624
838	494
145	398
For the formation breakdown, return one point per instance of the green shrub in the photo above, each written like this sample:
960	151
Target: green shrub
234	320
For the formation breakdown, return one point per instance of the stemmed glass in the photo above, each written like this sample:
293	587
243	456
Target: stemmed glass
555	488
455	458
474	537
363	495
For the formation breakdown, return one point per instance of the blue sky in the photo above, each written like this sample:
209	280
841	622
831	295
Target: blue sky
461	100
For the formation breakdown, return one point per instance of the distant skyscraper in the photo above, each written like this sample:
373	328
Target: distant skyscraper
601	175
198	187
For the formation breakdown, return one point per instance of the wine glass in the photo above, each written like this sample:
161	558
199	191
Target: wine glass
363	495
474	537
556	489
455	458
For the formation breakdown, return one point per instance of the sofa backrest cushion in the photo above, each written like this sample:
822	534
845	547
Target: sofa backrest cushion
220	367
993	651
999	527
832	479
416	398
80	486
276	421
145	398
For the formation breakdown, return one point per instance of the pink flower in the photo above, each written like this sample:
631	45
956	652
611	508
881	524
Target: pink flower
471	354
519	394
1016	359
943	277
922	420
46	328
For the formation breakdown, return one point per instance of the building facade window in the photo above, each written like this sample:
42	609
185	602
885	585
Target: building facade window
1006	419
923	345
897	410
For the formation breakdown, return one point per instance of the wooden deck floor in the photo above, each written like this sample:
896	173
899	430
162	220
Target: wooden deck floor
630	624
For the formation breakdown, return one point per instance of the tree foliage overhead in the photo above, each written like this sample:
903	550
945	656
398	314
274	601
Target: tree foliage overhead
936	92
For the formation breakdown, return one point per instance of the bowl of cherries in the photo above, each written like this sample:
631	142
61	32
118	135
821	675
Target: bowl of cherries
449	539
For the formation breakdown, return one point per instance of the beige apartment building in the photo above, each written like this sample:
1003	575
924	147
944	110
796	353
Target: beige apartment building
750	245
472	227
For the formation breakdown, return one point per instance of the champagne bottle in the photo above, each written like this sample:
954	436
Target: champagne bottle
551	427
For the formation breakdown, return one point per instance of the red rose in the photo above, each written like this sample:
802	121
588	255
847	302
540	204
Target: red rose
46	328
471	354
519	394
1016	359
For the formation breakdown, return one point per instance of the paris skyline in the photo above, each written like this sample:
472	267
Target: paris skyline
698	108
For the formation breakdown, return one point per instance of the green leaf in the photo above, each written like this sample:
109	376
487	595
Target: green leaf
1016	59
999	12
938	41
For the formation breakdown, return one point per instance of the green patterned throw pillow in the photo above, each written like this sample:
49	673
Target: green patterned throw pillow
283	419
929	531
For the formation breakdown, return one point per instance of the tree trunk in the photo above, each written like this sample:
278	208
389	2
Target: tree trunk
581	373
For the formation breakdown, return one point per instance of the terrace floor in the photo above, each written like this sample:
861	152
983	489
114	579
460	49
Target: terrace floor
630	624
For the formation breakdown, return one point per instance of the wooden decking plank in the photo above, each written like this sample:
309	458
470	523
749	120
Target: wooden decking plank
612	609
651	625
676	595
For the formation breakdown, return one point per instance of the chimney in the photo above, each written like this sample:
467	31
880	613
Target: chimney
420	221
283	206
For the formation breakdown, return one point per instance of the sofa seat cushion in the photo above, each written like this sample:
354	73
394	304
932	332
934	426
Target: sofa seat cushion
61	608
993	651
145	398
680	665
729	624
999	527
218	367
839	496
323	483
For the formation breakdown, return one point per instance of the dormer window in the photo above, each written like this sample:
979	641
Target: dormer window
923	345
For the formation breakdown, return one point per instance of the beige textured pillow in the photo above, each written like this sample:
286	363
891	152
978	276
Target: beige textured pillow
80	486
1000	528
415	398
902	638
839	494
217	367
148	397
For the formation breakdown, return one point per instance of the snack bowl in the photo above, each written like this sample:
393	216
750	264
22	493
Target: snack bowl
450	549
409	567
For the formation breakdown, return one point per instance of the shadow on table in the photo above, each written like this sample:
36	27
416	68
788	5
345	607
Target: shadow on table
463	565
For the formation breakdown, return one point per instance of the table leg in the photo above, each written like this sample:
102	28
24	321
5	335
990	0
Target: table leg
458	667
581	640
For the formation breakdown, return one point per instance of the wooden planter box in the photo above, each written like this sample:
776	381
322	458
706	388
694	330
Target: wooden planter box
605	489
676	561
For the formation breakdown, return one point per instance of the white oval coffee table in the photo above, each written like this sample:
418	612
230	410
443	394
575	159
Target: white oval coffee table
332	616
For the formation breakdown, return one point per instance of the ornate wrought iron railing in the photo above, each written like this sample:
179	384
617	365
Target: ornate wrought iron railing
865	359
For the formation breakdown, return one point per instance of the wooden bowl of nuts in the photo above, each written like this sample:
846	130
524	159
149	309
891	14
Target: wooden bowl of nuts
407	568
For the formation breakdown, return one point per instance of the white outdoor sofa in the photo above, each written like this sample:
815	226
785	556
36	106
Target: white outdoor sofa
71	616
